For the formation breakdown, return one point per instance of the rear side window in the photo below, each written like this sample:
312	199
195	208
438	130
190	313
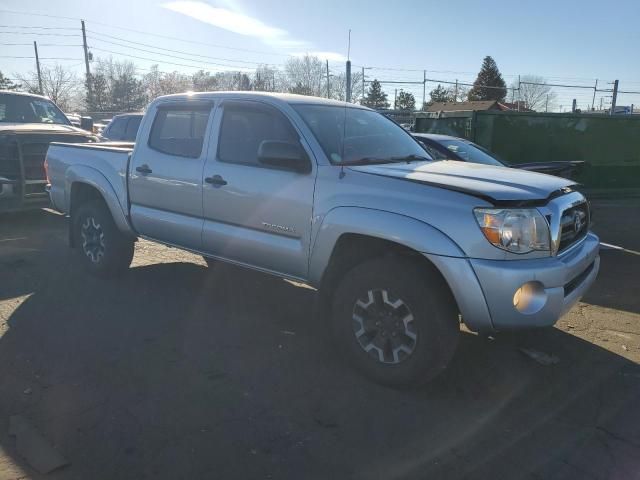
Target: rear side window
132	129
246	126
179	131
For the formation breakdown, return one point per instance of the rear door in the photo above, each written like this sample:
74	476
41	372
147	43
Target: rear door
255	214
165	185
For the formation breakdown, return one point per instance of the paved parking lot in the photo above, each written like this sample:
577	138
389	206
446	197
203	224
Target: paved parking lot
179	371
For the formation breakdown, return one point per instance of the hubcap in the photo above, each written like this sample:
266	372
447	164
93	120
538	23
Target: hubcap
92	239
384	326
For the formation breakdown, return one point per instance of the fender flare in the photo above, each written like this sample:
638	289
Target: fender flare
92	177
394	227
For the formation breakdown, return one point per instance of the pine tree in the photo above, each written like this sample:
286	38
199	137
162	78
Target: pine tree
489	76
405	101
440	94
375	98
6	84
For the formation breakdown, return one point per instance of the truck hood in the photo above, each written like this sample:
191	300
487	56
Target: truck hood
497	185
40	128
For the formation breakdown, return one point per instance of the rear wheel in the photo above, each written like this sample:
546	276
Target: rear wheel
395	320
102	248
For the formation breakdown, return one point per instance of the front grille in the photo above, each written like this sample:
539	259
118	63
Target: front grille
33	160
574	225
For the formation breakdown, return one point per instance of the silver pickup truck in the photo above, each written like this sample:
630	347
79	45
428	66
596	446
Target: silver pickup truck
401	247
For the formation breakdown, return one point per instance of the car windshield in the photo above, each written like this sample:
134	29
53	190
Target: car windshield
470	152
352	135
26	109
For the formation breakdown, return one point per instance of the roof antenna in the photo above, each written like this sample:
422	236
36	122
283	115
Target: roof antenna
344	124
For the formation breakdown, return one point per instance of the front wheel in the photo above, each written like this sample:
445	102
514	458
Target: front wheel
102	249
396	321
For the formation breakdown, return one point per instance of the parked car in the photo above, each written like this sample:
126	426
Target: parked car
340	197
27	124
442	147
122	128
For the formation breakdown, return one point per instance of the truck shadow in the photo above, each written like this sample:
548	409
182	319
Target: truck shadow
179	371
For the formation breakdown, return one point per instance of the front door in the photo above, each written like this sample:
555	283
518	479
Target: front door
165	186
256	214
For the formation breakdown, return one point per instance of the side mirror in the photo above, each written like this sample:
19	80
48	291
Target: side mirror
289	156
86	123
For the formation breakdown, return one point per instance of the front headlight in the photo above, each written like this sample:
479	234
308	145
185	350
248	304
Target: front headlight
517	230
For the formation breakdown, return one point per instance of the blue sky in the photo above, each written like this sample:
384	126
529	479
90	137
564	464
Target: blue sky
565	41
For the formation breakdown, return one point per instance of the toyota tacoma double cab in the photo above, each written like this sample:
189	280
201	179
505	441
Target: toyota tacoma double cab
401	247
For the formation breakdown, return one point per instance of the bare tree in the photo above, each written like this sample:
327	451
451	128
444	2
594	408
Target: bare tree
58	84
305	75
534	93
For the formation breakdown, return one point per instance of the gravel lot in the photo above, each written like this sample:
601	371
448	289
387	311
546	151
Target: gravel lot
179	371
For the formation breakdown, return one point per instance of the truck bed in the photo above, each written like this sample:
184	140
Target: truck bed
107	160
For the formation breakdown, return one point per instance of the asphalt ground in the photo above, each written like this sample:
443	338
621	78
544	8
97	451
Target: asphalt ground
179	371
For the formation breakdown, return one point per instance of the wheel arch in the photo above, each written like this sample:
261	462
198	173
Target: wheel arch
85	184
351	235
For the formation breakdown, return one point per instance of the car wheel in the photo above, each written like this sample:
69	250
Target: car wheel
395	320
102	249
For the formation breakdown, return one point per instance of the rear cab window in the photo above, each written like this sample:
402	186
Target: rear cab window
116	129
131	131
180	130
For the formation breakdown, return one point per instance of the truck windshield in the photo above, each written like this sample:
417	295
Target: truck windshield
351	135
26	109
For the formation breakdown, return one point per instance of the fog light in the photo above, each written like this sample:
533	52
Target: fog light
530	298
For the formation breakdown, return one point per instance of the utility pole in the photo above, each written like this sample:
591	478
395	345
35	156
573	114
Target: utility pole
546	104
519	92
600	103
455	93
395	99
328	91
595	89
86	64
35	47
424	87
614	98
363	92
574	105
349	78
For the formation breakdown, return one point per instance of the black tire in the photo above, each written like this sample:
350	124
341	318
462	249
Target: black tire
412	292
102	249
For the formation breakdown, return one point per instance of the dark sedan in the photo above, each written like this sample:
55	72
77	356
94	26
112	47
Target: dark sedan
445	147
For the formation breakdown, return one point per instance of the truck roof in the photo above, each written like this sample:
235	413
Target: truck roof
289	98
25	94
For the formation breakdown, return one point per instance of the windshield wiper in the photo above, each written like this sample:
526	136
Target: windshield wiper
378	160
410	158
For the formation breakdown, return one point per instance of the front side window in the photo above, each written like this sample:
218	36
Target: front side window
348	134
246	126
26	109
179	131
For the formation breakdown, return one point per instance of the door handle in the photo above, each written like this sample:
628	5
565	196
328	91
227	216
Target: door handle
144	169
215	180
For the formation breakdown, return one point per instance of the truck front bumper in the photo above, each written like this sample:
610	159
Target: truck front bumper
485	289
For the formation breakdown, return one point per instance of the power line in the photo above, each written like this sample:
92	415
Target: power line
41	58
166	50
151	59
40	28
42	34
42	44
147	33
